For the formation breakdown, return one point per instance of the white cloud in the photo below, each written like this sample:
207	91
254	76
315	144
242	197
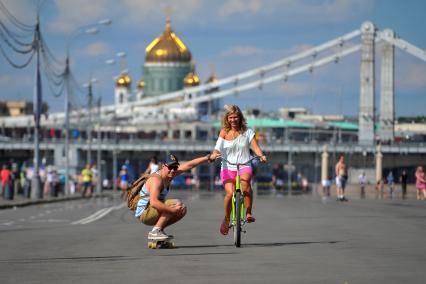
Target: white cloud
241	51
304	11
73	14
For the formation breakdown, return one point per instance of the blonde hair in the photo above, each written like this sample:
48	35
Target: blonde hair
233	109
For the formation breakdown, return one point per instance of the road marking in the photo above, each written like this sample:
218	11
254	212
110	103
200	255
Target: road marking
98	215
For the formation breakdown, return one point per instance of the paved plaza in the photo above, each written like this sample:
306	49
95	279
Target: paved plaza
296	239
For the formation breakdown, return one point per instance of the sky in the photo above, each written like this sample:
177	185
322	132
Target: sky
226	37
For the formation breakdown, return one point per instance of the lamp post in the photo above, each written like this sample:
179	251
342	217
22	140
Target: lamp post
88	29
98	160
89	87
36	192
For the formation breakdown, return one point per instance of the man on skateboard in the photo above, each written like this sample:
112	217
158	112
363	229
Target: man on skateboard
153	209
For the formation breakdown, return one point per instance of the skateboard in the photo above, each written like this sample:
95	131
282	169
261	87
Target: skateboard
158	244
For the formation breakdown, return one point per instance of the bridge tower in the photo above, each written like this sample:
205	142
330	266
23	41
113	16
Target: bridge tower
387	103
366	131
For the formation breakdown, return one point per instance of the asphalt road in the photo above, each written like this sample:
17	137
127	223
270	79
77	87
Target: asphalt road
296	239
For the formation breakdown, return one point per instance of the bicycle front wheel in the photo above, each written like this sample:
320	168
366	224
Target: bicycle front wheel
237	227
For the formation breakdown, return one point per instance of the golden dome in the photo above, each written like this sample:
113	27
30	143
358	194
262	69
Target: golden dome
211	79
141	84
191	80
168	47
123	81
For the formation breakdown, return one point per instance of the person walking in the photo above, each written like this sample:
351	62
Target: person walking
153	208
341	178
6	176
420	183
234	143
87	177
123	181
391	182
403	180
362	179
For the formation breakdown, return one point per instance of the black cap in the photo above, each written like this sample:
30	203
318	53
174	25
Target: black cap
171	160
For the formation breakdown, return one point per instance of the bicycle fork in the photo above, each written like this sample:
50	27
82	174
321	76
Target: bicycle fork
234	200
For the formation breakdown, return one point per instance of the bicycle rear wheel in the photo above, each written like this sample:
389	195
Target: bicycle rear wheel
237	227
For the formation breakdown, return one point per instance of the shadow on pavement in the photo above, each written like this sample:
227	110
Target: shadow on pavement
274	244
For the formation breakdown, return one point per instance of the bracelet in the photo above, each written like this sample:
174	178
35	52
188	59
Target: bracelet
208	158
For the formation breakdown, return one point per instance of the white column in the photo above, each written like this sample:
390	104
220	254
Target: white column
366	100
324	164
387	103
379	163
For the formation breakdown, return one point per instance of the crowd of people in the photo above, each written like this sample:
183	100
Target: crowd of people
235	143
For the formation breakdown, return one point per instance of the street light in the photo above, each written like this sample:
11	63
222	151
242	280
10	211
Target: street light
89	87
88	29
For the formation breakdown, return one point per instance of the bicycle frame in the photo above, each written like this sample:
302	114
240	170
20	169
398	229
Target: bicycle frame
234	199
237	205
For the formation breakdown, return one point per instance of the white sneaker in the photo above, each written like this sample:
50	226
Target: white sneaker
157	235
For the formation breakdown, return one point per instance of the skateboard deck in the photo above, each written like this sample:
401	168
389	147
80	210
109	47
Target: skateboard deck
159	244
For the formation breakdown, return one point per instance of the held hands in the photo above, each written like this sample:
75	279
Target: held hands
213	156
263	158
179	209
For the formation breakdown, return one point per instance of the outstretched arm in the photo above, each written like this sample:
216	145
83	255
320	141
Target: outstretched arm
197	161
257	150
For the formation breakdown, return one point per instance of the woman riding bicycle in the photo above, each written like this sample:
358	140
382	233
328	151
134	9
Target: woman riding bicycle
234	143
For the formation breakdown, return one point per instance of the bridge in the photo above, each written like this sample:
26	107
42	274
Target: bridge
138	113
175	111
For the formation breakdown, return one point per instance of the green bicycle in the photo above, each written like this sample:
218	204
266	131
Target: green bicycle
237	210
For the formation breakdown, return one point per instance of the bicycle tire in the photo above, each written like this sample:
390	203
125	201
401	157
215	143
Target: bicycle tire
237	228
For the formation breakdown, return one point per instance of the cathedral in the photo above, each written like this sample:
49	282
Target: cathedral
168	67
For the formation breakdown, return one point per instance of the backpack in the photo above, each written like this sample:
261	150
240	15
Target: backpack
133	193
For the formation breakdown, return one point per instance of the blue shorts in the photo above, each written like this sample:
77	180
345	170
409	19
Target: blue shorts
341	182
87	184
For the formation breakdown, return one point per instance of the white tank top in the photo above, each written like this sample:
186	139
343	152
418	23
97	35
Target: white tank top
235	151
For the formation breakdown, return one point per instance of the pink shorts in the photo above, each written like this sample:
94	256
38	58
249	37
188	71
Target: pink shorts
226	174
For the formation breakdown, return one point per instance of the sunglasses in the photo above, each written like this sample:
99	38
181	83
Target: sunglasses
173	167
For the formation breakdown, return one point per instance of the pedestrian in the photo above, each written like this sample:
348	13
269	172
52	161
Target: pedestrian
95	175
153	209
153	165
29	172
391	181
326	185
420	183
123	181
87	177
234	143
362	180
6	176
341	178
403	180
379	188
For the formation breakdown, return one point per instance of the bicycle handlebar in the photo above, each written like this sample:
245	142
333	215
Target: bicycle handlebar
240	164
